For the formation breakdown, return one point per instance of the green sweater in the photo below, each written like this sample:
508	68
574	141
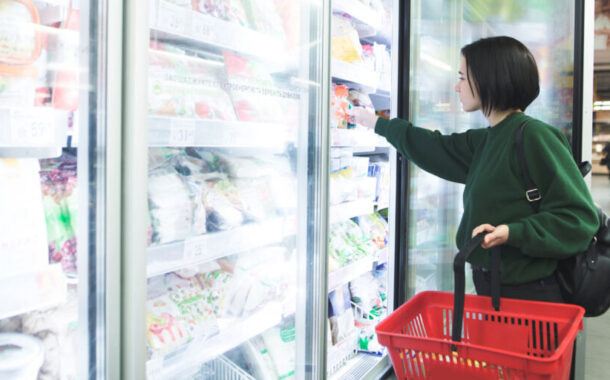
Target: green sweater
486	161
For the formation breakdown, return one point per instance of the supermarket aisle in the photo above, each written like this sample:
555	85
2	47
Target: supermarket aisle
597	366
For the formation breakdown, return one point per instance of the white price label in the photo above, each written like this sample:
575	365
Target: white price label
32	128
203	29
195	246
182	133
171	18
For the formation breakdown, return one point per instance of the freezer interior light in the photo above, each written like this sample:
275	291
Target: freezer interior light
435	62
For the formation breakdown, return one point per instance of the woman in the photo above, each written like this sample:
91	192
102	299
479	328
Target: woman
499	77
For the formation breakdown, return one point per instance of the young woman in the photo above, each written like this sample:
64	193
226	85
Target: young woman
499	77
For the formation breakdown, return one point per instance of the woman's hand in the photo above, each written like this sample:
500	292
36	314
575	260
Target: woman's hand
359	115
495	235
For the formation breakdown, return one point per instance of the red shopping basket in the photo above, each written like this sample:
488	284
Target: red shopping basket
525	340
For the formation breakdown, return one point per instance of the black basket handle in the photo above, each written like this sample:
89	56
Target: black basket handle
459	263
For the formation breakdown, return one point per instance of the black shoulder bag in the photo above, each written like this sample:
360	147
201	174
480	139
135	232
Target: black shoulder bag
585	277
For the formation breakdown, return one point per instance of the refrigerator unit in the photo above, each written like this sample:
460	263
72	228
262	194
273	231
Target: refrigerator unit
53	239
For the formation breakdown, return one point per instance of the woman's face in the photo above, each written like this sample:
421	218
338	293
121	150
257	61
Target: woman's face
469	98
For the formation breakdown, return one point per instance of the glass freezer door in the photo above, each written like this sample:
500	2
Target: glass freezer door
439	29
361	213
52	191
233	102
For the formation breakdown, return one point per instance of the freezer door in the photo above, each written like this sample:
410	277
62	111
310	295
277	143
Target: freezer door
438	30
362	182
53	190
225	115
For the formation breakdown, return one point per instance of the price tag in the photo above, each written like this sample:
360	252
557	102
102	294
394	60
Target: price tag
195	246
202	28
171	18
35	127
182	133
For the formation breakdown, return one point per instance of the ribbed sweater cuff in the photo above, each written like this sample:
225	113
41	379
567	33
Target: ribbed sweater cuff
515	234
381	126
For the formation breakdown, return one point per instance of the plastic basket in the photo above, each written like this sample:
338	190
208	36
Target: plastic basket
525	340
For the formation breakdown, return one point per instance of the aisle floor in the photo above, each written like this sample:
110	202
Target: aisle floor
597	365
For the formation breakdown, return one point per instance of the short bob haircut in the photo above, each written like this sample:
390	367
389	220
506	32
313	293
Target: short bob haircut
504	73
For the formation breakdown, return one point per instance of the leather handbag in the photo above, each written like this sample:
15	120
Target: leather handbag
584	278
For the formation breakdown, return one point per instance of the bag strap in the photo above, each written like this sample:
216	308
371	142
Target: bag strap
532	194
459	262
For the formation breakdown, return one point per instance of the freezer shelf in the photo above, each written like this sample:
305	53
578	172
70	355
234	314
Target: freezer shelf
357	137
182	24
233	332
170	257
352	271
27	130
348	210
36	290
359	11
367	79
172	131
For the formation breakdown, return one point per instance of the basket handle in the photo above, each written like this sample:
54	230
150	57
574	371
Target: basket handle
460	283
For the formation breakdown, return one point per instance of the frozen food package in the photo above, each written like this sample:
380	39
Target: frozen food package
345	42
165	329
64	51
290	14
259	277
255	96
57	328
376	227
284	193
359	239
180	3
23	233
256	198
222	203
58	183
340	314
263	16
281	344
365	293
21	46
361	99
186	87
228	10
339	105
259	359
170	205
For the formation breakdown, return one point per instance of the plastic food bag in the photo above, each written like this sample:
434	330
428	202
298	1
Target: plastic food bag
170	205
340	314
228	10
345	42
58	182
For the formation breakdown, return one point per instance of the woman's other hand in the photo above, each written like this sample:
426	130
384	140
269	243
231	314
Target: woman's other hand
495	235
359	115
